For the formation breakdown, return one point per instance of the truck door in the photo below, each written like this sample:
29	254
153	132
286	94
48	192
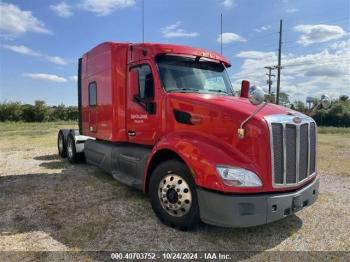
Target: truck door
141	108
92	107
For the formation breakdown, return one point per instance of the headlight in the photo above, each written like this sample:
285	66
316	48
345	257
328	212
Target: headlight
234	176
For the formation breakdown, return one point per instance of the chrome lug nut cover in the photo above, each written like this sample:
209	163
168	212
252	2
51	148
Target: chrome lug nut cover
169	195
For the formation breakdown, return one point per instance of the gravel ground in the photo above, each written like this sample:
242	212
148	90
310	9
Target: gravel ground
47	204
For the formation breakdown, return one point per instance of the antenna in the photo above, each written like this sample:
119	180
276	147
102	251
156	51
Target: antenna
221	33
143	21
279	65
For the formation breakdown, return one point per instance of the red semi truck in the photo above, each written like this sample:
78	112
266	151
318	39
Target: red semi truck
164	119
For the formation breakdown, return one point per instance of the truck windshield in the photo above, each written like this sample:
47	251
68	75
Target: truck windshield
191	74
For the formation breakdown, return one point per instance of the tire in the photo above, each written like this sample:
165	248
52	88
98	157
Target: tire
71	150
61	145
173	195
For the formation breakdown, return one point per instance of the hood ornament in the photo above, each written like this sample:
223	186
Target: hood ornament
297	120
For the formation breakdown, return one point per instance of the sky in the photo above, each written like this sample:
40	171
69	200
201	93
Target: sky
41	41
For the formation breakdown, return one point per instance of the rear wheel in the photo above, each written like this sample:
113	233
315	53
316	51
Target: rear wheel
173	195
71	150
62	148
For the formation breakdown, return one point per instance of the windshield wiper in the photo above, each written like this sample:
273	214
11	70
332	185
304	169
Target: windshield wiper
184	90
218	91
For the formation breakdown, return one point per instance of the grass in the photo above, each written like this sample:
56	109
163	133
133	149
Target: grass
333	130
26	136
334	153
333	142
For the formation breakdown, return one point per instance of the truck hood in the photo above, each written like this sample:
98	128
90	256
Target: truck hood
237	105
218	118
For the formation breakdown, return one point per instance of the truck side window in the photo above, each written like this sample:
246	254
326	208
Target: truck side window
146	89
92	94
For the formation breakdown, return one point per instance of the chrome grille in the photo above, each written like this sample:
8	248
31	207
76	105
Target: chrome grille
293	148
303	161
312	148
277	132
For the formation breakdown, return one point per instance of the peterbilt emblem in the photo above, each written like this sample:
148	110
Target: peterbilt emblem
297	120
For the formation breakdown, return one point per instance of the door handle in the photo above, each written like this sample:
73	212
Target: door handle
131	133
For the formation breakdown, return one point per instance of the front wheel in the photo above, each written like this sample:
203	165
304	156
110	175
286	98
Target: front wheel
173	195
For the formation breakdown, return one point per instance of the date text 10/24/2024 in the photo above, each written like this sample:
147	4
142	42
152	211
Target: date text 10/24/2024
170	256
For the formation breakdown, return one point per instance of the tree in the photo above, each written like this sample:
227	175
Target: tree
28	113
284	99
72	113
10	111
345	120
344	98
41	111
338	114
59	113
300	106
320	117
336	109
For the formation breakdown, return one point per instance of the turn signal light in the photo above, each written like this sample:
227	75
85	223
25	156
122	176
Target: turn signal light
240	133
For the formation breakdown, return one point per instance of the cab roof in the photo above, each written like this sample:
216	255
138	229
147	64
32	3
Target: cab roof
154	49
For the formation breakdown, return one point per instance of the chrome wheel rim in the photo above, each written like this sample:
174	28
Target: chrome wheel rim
60	144
175	195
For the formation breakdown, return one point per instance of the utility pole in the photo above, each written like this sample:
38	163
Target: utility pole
221	33
279	64
269	82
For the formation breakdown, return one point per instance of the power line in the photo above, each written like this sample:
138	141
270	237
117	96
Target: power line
293	46
284	42
291	41
260	47
325	21
250	39
322	22
279	66
263	36
318	63
288	30
314	63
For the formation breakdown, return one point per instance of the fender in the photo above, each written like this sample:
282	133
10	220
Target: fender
201	153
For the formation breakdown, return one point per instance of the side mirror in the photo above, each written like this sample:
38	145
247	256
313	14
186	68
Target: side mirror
325	101
256	95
